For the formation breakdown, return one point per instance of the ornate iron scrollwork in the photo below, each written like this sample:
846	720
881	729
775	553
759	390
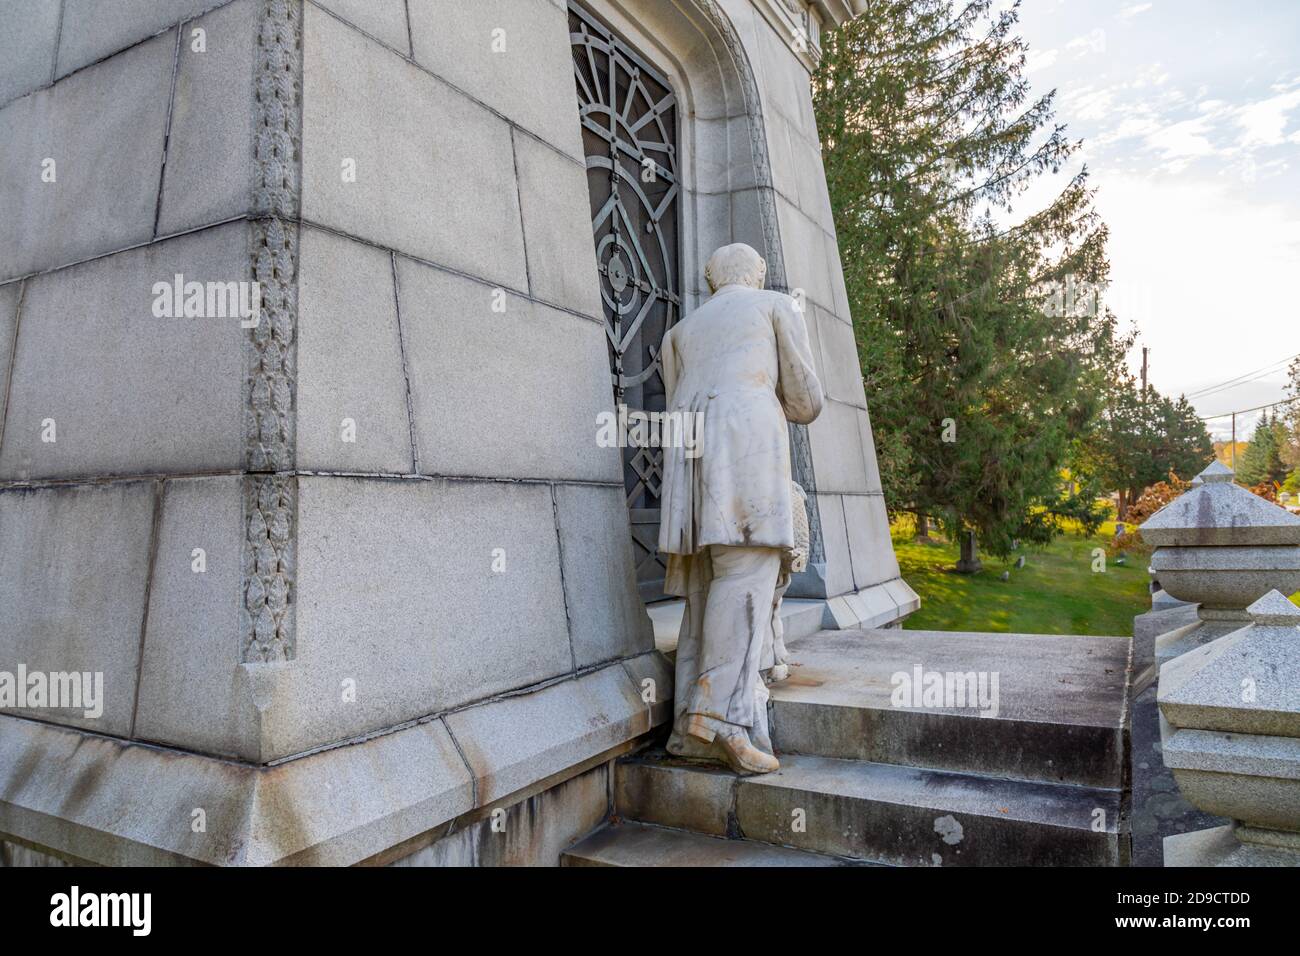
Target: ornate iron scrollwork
628	114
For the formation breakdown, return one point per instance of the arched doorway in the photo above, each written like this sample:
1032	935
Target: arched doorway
720	184
629	117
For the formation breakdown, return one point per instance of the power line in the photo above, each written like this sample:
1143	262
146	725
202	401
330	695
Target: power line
1242	411
1212	388
1202	392
1226	388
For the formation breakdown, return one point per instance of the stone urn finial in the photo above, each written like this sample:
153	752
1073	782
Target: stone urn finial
1274	610
1220	546
1231	735
1215	472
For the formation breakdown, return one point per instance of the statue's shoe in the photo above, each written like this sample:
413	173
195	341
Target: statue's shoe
731	745
742	756
684	745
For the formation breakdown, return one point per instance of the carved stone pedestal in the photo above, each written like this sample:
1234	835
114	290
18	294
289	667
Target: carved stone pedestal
1221	547
1230	732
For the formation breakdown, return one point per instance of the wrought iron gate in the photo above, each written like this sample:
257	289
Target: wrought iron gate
629	135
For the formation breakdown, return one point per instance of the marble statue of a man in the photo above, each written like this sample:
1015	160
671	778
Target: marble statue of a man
742	361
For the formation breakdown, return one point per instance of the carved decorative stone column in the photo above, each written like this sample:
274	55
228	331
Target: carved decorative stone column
1230	729
1222	547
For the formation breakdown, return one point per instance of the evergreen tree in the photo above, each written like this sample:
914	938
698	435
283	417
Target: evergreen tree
1262	460
1139	440
1290	415
927	127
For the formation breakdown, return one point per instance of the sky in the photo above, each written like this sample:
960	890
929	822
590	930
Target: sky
1189	112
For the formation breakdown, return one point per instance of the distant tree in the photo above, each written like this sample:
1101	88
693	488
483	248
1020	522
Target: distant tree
927	125
1139	439
1262	460
1290	415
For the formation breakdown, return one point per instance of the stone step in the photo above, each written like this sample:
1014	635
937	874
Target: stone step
878	812
1060	714
637	844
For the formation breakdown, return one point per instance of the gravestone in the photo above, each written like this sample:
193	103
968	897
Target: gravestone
969	562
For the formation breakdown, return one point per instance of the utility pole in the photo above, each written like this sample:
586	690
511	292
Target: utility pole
1233	451
1145	350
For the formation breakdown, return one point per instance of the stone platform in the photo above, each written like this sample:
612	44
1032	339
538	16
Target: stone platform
1039	782
1059	719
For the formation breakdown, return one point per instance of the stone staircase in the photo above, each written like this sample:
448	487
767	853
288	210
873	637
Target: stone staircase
1040	782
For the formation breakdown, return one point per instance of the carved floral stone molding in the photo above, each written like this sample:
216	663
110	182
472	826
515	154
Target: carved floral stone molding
270	347
270	512
277	143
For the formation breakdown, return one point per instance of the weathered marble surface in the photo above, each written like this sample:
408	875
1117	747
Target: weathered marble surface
774	661
1221	547
136	801
1230	730
523	230
1218	512
741	361
741	364
1150	625
1219	846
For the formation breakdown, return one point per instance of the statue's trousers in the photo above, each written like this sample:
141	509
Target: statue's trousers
728	613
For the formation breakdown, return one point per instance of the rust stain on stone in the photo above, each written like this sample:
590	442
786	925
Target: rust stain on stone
794	680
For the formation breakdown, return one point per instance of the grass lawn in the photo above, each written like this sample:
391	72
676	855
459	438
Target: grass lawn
1057	592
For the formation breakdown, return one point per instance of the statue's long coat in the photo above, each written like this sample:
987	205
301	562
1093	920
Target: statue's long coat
744	361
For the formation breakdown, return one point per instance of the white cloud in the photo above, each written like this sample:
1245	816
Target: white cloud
1187	139
1264	123
1196	154
1093	41
1036	60
1087	103
1133	126
1153	75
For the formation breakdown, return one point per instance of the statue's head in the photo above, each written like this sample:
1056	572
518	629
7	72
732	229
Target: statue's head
736	264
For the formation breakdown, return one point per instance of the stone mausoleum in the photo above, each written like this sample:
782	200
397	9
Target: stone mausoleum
311	552
361	583
312	314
